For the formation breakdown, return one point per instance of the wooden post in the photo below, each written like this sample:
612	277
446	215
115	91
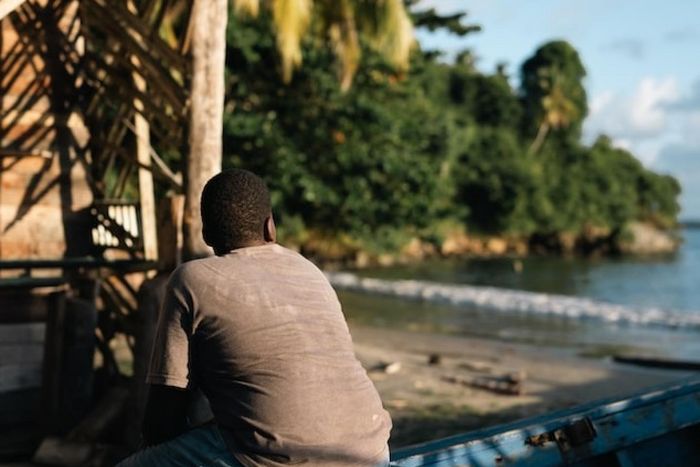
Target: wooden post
146	194
169	220
209	19
150	298
53	363
68	360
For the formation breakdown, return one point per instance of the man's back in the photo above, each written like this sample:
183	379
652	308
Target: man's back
267	342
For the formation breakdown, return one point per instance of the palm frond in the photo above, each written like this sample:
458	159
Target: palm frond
291	19
342	31
388	26
246	7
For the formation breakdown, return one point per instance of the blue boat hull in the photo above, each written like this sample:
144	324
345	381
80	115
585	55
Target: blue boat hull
660	427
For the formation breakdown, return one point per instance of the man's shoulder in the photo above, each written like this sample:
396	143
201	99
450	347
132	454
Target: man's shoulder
246	260
191	271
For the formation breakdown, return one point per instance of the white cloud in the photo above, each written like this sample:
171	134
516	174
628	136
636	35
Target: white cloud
689	101
659	125
683	162
643	114
623	143
690	128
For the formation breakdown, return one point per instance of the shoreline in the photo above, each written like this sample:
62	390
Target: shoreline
427	401
640	240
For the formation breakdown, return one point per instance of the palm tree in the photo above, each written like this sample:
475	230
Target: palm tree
557	109
385	24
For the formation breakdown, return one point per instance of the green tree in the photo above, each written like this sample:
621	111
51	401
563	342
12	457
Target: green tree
385	24
487	99
554	99
345	163
494	182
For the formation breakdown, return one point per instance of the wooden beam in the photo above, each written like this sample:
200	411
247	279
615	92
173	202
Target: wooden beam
146	194
8	6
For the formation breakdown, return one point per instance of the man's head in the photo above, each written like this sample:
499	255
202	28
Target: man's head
236	211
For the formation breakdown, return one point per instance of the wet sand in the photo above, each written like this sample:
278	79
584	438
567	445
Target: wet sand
426	403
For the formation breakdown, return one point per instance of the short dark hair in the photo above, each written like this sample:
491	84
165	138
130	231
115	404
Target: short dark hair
234	206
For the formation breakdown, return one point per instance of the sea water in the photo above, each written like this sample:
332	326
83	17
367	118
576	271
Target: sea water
637	306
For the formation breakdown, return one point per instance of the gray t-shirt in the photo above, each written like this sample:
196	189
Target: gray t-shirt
261	332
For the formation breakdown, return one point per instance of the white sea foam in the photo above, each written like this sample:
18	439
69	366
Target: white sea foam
507	300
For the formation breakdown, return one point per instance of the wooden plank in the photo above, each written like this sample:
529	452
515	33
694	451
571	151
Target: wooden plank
16	377
8	6
22	333
20	354
14	283
24	306
663	363
83	262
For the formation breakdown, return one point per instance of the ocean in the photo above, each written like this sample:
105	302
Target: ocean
597	307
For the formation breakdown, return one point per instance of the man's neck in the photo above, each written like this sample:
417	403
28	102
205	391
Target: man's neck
218	252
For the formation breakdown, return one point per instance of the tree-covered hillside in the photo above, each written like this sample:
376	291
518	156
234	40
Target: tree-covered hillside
440	148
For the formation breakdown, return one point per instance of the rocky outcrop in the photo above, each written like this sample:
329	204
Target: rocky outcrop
645	239
637	239
458	243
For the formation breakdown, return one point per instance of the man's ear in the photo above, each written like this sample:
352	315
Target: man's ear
270	230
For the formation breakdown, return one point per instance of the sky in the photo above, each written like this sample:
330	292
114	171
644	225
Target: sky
643	68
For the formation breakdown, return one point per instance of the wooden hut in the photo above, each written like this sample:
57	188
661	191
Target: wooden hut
93	94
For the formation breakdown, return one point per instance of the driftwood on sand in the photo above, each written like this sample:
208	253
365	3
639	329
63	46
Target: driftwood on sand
512	384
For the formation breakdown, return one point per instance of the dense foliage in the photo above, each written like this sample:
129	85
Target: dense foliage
396	156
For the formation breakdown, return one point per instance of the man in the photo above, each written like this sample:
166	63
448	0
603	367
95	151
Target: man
259	330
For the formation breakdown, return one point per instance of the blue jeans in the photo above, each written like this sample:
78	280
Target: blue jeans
200	447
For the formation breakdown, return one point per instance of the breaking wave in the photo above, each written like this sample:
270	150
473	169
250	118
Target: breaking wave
507	300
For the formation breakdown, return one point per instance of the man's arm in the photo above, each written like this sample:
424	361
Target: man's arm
166	414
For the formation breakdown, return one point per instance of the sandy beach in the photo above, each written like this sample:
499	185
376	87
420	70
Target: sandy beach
430	401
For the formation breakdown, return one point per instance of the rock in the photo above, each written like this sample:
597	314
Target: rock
518	266
362	259
388	368
496	246
520	247
416	249
455	243
434	359
645	239
567	241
